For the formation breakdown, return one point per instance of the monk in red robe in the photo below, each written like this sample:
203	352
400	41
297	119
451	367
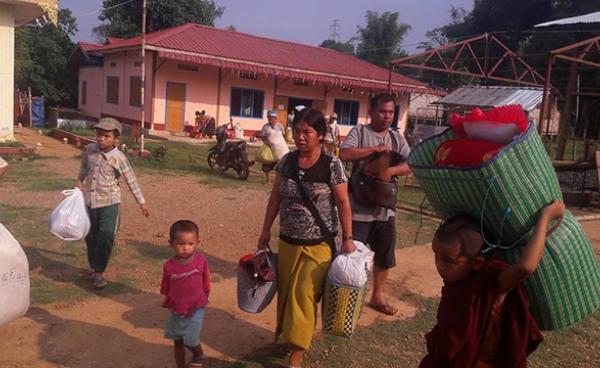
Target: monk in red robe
483	317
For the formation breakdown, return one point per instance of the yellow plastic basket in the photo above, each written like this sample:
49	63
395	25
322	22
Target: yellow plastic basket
342	307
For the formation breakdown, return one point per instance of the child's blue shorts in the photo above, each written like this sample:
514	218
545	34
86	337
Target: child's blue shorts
180	327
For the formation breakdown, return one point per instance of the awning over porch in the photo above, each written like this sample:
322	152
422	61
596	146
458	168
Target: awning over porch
292	73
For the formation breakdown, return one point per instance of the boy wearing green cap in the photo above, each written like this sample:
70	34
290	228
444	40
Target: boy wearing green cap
102	166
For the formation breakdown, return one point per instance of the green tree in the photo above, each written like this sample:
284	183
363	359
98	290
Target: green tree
380	39
124	21
438	37
512	21
41	56
345	47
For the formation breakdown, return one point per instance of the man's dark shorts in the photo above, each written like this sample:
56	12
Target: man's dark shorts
381	238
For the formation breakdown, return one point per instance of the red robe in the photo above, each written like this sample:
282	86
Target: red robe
463	314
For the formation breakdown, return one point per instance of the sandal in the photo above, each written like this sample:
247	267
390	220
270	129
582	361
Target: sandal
195	364
386	309
99	282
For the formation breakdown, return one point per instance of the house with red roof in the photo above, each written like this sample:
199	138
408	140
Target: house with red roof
228	74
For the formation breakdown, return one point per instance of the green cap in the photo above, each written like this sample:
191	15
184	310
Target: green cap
109	124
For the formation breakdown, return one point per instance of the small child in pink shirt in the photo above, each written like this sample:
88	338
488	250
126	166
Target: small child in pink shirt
186	286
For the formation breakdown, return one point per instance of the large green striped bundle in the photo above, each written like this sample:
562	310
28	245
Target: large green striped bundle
566	286
506	192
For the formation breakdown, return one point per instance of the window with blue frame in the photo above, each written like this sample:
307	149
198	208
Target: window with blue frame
347	111
247	103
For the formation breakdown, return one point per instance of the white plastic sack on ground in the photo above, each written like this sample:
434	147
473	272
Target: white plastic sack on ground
14	278
352	268
278	146
70	220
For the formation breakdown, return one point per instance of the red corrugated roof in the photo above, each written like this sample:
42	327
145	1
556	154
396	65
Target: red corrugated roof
114	39
89	47
207	45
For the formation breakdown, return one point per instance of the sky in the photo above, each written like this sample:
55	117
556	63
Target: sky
304	21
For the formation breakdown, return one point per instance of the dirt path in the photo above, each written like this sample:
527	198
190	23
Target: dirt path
126	330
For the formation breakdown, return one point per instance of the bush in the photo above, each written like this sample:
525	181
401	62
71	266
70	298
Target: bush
129	143
158	152
82	131
11	144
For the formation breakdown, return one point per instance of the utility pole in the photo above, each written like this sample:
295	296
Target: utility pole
335	30
143	77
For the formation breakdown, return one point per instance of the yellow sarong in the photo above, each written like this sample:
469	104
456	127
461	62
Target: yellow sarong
301	273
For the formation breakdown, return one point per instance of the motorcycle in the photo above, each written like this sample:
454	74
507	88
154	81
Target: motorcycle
229	155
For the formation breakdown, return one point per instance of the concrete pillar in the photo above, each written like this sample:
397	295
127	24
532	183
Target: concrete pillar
7	71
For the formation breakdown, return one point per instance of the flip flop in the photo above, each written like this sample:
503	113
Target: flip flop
195	364
386	309
99	282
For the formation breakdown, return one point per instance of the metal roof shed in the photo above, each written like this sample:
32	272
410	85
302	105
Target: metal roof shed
488	97
589	18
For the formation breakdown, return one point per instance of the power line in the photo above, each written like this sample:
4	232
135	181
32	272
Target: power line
94	12
462	38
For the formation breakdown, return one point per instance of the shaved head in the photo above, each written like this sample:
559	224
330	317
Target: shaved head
464	232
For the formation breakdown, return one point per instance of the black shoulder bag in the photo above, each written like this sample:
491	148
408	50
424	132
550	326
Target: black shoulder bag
368	189
329	235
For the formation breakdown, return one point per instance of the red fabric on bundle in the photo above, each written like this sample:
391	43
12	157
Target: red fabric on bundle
464	152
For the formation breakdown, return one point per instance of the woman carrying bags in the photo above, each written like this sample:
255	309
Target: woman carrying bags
308	216
273	136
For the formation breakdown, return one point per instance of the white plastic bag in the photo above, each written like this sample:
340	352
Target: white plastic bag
70	220
278	146
14	278
352	268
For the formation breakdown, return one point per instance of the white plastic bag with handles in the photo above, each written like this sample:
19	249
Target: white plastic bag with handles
352	268
70	219
14	278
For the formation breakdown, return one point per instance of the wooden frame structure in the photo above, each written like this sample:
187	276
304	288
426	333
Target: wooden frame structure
577	54
462	58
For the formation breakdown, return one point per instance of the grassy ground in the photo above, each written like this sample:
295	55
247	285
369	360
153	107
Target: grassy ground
30	176
384	344
413	229
402	344
574	149
412	196
190	159
11	144
52	262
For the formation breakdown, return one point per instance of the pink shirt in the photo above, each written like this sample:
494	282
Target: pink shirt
186	286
